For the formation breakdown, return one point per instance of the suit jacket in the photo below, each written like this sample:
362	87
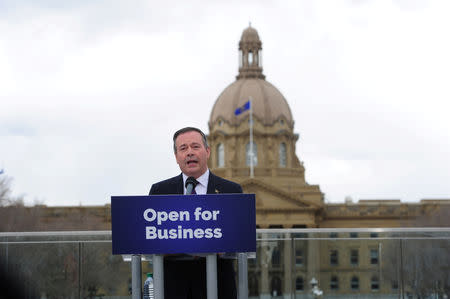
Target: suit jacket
175	186
187	279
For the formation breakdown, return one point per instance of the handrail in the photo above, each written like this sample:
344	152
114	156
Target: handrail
259	230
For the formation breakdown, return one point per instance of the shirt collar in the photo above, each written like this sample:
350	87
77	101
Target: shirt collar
203	179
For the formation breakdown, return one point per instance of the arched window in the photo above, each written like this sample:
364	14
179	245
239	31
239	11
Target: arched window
276	257
334	283
299	284
220	155
250	58
248	154
354	284
282	154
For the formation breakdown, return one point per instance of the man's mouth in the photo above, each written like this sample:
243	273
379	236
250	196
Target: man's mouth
192	162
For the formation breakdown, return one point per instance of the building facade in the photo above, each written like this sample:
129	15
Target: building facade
263	138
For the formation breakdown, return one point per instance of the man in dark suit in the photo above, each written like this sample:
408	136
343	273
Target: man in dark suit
185	275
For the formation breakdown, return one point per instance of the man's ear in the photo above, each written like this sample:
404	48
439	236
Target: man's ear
208	151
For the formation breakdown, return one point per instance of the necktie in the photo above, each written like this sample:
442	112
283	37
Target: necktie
192	181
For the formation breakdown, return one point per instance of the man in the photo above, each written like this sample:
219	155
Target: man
185	276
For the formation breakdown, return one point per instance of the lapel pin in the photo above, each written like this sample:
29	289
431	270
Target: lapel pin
217	191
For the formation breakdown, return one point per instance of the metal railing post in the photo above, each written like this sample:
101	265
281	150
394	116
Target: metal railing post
242	276
158	275
80	277
211	276
136	278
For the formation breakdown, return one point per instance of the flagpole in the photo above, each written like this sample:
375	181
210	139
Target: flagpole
251	138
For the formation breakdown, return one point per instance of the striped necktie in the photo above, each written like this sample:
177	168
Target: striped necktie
191	181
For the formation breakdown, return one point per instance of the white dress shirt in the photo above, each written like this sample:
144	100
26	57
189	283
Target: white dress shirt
202	186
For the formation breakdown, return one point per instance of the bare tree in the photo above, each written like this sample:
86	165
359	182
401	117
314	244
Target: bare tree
5	191
419	263
14	214
56	268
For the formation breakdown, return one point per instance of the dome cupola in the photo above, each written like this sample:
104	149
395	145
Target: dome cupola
268	103
250	55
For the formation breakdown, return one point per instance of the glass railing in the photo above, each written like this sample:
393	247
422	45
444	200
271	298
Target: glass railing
294	263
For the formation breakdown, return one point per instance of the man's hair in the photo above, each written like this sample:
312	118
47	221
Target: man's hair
185	130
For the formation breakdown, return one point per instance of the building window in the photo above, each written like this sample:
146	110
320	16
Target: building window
374	235
333	257
333	235
276	226
298	257
394	285
334	283
373	257
299	235
276	257
375	284
299	284
249	155
250	58
354	257
276	286
354	284
353	235
251	262
220	155
253	289
282	154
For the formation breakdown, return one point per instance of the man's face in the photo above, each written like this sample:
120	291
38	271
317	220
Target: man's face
191	155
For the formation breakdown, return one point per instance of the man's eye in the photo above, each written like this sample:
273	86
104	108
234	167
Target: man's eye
182	148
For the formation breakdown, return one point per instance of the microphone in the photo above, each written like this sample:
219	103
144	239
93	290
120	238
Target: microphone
191	182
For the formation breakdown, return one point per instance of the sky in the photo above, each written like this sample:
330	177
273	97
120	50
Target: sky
91	92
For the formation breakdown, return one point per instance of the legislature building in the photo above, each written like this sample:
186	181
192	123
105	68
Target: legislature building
284	199
265	163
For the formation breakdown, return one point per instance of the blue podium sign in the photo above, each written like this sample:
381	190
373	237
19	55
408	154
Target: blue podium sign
159	224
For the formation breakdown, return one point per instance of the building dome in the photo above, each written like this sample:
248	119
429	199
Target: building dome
268	104
250	35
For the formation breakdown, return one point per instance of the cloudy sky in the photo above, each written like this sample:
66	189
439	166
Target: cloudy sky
92	91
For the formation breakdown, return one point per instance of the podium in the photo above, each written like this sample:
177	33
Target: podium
211	224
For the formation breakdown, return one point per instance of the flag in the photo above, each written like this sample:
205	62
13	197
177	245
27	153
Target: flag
1	171
243	108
